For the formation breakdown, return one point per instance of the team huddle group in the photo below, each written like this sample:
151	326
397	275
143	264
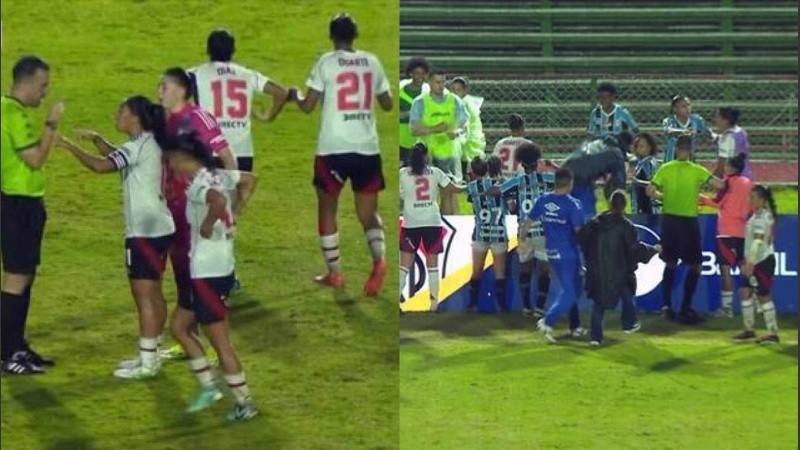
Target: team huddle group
560	233
186	174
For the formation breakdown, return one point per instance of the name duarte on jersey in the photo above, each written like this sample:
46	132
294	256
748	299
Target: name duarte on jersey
350	62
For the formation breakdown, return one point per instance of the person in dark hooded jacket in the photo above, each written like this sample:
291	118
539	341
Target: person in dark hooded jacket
612	251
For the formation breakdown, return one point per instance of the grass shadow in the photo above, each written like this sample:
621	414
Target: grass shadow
262	330
46	411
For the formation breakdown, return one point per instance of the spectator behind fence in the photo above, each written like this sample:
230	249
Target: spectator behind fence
608	118
732	140
682	122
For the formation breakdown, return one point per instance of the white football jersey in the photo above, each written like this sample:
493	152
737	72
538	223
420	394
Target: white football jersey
213	257
505	149
761	222
419	194
143	203
226	90
349	82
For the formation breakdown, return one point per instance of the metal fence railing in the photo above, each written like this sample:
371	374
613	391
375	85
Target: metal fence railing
557	110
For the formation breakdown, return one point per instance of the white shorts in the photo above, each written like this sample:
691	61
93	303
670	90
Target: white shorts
529	248
495	247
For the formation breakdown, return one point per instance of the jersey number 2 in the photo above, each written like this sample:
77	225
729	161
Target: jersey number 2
423	186
235	92
505	158
347	88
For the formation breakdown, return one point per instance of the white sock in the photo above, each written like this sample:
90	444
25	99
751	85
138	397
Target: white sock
202	370
433	282
148	350
376	241
770	318
330	250
403	278
727	300
748	313
238	386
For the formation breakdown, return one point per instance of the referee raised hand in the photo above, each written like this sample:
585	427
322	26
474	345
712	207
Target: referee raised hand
23	185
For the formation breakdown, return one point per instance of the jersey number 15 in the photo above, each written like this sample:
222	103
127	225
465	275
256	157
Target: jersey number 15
235	93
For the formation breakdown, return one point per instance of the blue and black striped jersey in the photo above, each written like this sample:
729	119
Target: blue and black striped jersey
490	212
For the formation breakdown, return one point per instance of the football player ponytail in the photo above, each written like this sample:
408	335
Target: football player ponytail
419	158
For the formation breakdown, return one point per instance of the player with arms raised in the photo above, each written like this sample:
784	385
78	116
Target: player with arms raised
524	189
346	80
490	232
226	89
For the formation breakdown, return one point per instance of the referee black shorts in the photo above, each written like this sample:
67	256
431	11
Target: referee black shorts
680	240
22	228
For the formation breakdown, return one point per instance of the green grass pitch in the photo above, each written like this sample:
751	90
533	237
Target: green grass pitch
323	370
490	381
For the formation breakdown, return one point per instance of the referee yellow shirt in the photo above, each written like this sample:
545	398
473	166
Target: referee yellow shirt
17	177
680	183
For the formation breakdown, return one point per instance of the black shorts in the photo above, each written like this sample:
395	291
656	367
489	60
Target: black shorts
430	239
243	163
146	258
210	298
332	171
680	239
730	251
22	228
763	273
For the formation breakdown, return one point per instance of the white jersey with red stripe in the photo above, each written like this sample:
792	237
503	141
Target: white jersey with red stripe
505	149
143	201
225	90
211	257
348	82
419	194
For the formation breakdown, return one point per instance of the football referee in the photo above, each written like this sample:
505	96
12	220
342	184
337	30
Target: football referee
22	194
678	184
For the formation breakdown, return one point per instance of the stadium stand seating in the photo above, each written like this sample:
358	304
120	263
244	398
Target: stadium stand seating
543	58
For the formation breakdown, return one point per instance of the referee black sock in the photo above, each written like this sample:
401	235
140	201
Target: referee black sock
525	289
669	281
688	289
474	291
26	304
543	287
500	290
12	311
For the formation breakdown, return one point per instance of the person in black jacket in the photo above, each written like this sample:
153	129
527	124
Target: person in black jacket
612	251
